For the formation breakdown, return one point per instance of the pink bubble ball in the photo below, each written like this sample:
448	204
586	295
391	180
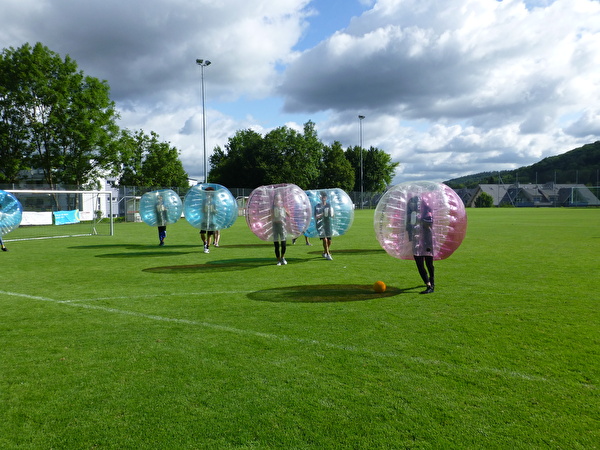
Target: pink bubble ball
442	203
260	210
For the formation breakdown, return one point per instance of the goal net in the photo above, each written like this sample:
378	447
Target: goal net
53	214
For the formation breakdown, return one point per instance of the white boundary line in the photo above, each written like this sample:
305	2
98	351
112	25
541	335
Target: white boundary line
174	294
349	348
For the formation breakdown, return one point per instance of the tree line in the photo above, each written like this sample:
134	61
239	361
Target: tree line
56	119
285	155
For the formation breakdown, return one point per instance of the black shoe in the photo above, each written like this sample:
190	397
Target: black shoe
4	249
429	290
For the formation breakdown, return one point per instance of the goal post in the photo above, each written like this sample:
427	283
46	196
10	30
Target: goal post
56	213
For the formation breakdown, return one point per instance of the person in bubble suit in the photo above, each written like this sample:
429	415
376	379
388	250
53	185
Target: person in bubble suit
324	223
419	227
161	220
209	210
279	218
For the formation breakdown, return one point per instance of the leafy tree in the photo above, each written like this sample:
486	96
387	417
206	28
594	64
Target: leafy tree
148	162
293	157
282	156
285	155
53	117
242	163
378	168
14	148
484	200
306	161
336	169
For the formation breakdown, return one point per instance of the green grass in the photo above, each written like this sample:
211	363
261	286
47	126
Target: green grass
113	342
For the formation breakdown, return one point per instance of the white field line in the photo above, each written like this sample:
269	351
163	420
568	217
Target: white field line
349	348
174	294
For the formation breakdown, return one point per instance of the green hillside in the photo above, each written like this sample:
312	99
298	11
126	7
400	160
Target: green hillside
580	165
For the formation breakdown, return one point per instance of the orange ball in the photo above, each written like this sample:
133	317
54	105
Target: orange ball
379	287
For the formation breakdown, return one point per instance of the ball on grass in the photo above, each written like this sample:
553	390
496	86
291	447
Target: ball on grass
379	287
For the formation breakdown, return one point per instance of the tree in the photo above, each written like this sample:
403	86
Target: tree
148	162
282	156
53	117
242	163
378	168
293	157
14	148
286	156
336	169
484	200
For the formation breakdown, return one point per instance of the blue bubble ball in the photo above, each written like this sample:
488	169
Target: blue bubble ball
160	208
332	213
210	207
11	212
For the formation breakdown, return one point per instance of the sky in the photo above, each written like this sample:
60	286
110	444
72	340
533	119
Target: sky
447	88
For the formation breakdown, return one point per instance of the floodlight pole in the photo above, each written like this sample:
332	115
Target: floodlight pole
360	136
203	63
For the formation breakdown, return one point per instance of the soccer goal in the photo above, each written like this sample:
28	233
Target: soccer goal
54	213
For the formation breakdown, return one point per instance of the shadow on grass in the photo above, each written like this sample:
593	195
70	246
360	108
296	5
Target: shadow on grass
323	293
349	251
152	254
260	244
137	246
143	250
223	265
97	246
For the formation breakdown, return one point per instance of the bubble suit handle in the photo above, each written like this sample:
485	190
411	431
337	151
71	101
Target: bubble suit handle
11	212
210	207
420	218
160	208
337	222
278	212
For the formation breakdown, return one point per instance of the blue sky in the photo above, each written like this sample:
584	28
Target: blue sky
447	88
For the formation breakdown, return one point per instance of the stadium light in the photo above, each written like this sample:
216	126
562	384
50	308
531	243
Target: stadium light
360	136
204	63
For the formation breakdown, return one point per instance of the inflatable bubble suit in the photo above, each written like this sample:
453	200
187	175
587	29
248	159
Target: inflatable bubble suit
342	208
286	204
160	208
210	207
420	218
11	212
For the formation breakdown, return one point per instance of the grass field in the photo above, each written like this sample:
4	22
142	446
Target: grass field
114	342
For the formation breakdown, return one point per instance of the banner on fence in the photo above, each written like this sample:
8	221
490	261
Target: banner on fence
66	217
36	218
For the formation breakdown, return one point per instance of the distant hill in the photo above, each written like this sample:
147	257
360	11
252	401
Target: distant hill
580	165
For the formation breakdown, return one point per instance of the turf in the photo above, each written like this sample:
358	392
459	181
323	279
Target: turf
114	342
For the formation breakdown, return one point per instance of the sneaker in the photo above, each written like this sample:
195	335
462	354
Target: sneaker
283	261
4	249
215	245
328	257
206	250
324	255
161	243
429	290
279	263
